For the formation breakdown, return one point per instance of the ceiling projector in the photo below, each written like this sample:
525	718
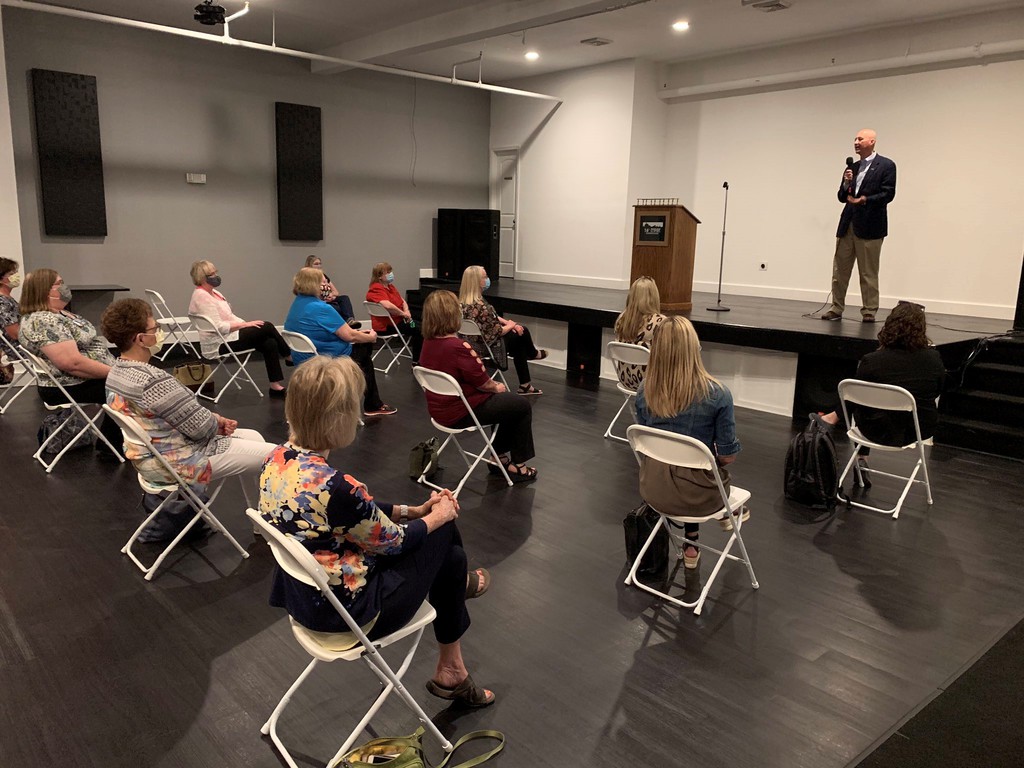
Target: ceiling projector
209	14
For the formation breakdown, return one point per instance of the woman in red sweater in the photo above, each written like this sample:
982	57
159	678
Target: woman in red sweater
444	351
382	290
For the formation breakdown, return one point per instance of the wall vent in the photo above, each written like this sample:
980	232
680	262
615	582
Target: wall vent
597	42
769	6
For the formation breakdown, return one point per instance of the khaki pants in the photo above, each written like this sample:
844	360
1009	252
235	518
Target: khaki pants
867	253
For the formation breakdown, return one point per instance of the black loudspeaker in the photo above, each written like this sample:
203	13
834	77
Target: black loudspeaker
68	146
300	176
467	236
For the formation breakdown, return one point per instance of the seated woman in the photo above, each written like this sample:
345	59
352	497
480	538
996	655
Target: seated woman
333	337
384	559
679	395
636	325
241	334
518	341
382	290
333	296
10	318
76	356
202	446
904	358
444	351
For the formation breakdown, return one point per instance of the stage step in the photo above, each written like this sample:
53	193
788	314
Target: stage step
995	377
980	436
1005	351
991	407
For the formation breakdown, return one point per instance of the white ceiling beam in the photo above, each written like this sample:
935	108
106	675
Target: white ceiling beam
479	21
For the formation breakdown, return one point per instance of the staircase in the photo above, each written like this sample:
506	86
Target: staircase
987	413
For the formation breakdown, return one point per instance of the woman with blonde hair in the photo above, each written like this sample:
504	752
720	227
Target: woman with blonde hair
495	329
383	559
636	325
241	335
679	395
382	290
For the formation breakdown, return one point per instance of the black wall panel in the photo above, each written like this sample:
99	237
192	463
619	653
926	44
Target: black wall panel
300	176
467	236
68	146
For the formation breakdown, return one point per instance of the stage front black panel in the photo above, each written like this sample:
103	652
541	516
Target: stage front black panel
467	236
300	176
67	120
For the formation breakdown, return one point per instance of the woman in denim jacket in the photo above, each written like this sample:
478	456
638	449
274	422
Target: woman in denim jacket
679	395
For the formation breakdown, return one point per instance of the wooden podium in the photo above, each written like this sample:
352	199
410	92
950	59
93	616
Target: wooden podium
664	242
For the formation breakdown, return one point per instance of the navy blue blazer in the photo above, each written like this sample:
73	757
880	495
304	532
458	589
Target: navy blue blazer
870	221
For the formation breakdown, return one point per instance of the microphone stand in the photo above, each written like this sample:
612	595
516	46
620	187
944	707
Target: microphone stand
721	260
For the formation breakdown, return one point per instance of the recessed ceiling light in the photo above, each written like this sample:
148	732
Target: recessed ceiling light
531	55
681	26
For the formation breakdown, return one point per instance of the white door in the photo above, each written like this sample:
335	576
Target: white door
505	194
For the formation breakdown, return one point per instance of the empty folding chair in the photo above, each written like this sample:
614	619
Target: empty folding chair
176	327
498	359
203	324
376	310
682	451
42	373
625	354
24	373
177	487
296	561
883	397
441	383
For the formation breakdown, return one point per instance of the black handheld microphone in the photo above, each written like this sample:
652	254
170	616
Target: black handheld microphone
849	167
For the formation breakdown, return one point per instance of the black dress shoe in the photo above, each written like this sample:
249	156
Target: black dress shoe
281	393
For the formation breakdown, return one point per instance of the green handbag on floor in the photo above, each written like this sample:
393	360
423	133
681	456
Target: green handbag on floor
407	752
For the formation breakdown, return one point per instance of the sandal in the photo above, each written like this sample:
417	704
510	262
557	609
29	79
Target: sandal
520	473
465	693
529	389
477	582
743	513
542	354
690	562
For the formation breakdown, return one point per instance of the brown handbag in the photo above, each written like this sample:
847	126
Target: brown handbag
192	375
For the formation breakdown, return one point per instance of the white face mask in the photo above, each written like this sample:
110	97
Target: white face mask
14	279
159	335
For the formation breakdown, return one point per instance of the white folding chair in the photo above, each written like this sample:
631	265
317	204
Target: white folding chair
470	329
295	560
176	327
682	451
42	373
24	373
299	342
178	487
203	324
441	383
376	310
625	354
884	397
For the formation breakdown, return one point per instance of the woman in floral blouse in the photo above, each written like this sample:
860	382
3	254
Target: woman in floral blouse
516	336
76	356
636	325
383	559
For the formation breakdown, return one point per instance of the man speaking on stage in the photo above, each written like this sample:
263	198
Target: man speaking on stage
868	186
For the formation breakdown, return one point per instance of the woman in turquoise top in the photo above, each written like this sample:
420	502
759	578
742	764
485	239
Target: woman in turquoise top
383	559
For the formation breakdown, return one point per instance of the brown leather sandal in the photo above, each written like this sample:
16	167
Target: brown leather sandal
465	693
477	582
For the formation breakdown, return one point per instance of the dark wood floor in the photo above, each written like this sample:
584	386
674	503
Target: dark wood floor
858	622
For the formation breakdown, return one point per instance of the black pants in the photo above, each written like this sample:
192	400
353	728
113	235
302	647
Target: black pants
413	336
344	306
362	355
436	572
514	417
521	349
91	391
267	341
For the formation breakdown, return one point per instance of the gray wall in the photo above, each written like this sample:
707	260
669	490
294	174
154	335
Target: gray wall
170	105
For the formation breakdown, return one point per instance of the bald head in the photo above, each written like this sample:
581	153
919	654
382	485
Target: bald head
864	142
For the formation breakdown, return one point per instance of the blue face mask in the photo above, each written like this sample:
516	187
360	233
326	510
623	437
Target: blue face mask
389	277
487	283
213	281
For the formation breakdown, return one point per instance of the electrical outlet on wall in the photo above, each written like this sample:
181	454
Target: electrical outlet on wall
763	267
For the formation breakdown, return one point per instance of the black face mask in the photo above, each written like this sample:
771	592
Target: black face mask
213	281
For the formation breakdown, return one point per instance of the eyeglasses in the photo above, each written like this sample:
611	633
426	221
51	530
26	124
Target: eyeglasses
150	331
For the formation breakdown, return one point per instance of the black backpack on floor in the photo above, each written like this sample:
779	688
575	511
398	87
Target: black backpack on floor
812	469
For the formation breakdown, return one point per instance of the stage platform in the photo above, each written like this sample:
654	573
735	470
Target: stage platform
827	351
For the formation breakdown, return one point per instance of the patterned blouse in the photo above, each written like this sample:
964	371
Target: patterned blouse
632	375
349	534
483	314
43	328
9	315
183	431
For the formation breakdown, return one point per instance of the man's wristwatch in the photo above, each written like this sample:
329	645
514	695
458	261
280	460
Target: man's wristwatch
403	513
